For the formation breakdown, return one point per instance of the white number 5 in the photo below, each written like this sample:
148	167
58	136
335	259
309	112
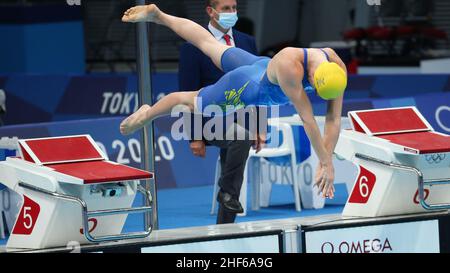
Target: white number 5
25	216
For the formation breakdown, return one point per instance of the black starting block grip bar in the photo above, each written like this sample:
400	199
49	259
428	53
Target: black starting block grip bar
421	181
86	214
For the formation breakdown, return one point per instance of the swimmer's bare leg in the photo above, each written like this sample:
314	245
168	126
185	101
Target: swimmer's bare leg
147	114
186	29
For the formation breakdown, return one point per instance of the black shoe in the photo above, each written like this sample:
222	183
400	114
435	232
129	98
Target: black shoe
225	216
229	203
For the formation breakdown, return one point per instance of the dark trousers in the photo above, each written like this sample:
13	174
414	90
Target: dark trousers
233	157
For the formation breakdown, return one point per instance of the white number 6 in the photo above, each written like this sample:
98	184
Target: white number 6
363	187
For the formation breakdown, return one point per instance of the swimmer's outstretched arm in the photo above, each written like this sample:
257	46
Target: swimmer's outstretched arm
332	128
334	111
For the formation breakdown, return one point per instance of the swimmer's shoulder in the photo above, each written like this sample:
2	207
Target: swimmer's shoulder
291	56
287	61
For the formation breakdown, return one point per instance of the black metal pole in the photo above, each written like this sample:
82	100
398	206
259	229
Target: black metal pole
145	97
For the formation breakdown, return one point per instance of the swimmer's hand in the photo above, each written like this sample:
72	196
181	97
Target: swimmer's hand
260	142
147	13
324	180
198	148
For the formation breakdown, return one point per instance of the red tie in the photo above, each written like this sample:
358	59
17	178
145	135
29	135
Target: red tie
227	39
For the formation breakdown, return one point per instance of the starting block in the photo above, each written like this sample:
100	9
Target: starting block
404	165
71	193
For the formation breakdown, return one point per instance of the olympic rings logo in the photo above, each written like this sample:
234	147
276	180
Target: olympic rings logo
435	159
438	117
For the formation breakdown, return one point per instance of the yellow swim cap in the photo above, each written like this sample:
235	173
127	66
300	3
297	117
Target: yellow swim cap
330	80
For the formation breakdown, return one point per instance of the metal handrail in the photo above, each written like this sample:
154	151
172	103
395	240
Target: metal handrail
86	214
422	183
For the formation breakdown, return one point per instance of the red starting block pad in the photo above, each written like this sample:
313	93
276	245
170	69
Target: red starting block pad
403	126
100	171
79	158
60	150
422	142
60	179
389	121
404	163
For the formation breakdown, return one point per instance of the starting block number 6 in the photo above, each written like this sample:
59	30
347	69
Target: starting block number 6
364	186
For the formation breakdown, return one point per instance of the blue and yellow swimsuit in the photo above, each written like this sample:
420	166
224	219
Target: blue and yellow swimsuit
245	84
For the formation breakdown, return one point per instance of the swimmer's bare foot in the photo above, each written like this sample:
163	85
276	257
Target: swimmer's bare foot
147	13
135	121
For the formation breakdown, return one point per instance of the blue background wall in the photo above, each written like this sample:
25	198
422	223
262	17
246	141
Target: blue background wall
41	39
61	97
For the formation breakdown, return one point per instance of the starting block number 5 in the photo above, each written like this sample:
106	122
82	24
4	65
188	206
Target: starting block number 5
28	220
27	217
364	186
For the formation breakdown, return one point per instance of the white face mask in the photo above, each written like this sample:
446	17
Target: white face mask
227	20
